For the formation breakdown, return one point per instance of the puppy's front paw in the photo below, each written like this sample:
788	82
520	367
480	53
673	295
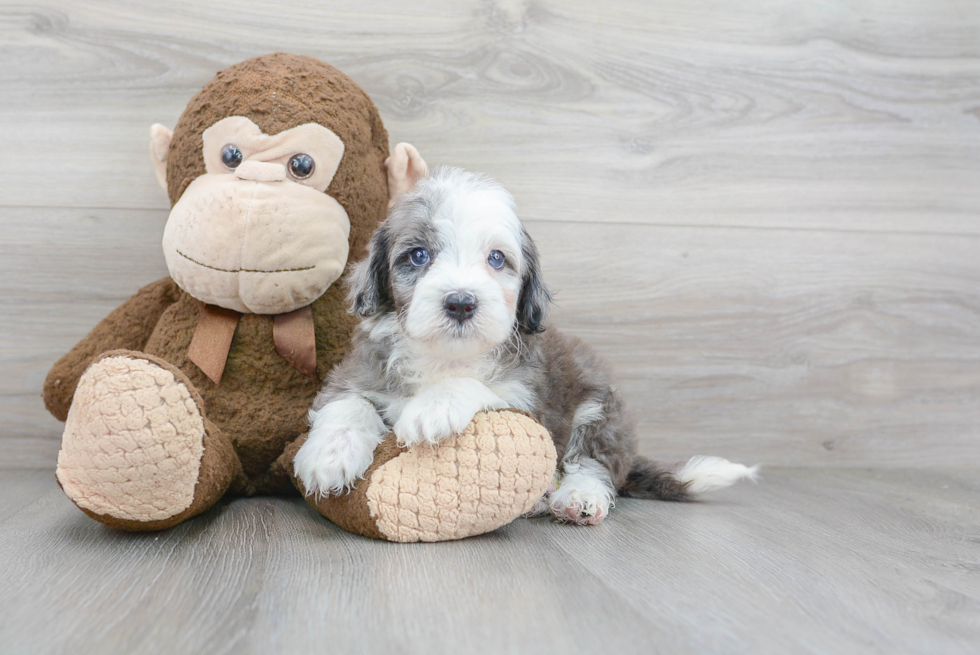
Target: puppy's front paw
430	419
444	409
332	460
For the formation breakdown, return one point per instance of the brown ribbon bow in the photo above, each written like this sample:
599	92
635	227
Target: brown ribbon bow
292	333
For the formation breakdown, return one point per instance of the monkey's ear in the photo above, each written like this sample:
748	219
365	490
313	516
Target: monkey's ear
405	168
160	137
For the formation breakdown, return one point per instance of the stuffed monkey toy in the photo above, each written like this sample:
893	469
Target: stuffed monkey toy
278	173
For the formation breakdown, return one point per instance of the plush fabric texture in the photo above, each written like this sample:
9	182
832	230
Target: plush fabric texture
152	440
325	148
470	484
160	137
216	244
405	167
349	511
281	91
137	453
262	401
133	441
129	327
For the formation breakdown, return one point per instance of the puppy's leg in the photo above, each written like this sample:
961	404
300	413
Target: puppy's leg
585	493
596	449
343	436
444	409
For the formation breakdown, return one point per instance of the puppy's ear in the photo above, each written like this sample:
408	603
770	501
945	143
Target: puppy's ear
369	282
532	306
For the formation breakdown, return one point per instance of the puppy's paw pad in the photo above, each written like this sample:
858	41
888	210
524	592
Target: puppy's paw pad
581	515
579	507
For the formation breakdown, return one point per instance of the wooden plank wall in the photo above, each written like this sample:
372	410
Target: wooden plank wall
764	214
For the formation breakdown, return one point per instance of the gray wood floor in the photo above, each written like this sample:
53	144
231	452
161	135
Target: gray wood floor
809	561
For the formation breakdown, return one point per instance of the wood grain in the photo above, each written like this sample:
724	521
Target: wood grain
809	561
861	117
764	216
746	343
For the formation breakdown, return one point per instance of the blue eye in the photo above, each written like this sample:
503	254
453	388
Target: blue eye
496	259
419	257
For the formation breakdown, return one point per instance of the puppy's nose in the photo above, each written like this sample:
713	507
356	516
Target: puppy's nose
460	306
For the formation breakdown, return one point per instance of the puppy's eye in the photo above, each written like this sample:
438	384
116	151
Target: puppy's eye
496	259
419	257
301	166
231	157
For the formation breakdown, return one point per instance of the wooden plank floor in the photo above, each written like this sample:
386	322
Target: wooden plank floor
809	561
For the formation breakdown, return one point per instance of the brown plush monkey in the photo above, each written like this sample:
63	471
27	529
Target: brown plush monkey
196	385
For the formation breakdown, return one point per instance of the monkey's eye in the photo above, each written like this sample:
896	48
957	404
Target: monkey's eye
301	166
231	156
496	259
419	257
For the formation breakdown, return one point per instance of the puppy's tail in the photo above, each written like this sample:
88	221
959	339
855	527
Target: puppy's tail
649	479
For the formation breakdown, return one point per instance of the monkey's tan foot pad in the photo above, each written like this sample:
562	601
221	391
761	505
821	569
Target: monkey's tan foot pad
133	441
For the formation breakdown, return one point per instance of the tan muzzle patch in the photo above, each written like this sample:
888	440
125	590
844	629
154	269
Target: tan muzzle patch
255	246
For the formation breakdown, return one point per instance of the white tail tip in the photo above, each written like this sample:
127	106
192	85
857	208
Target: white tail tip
709	473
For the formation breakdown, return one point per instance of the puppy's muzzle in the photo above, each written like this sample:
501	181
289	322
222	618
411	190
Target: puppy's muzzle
460	306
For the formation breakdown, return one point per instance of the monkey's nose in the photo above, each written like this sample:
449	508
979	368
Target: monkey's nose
261	171
460	306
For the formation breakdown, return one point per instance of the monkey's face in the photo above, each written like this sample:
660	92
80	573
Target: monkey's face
257	233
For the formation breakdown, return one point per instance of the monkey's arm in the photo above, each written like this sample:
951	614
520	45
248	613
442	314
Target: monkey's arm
128	327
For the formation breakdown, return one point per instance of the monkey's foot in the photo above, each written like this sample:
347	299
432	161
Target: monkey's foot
134	452
542	506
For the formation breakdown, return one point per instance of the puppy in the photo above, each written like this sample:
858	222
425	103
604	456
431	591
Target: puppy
454	323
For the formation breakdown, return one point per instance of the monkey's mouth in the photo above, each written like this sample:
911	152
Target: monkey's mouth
243	270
